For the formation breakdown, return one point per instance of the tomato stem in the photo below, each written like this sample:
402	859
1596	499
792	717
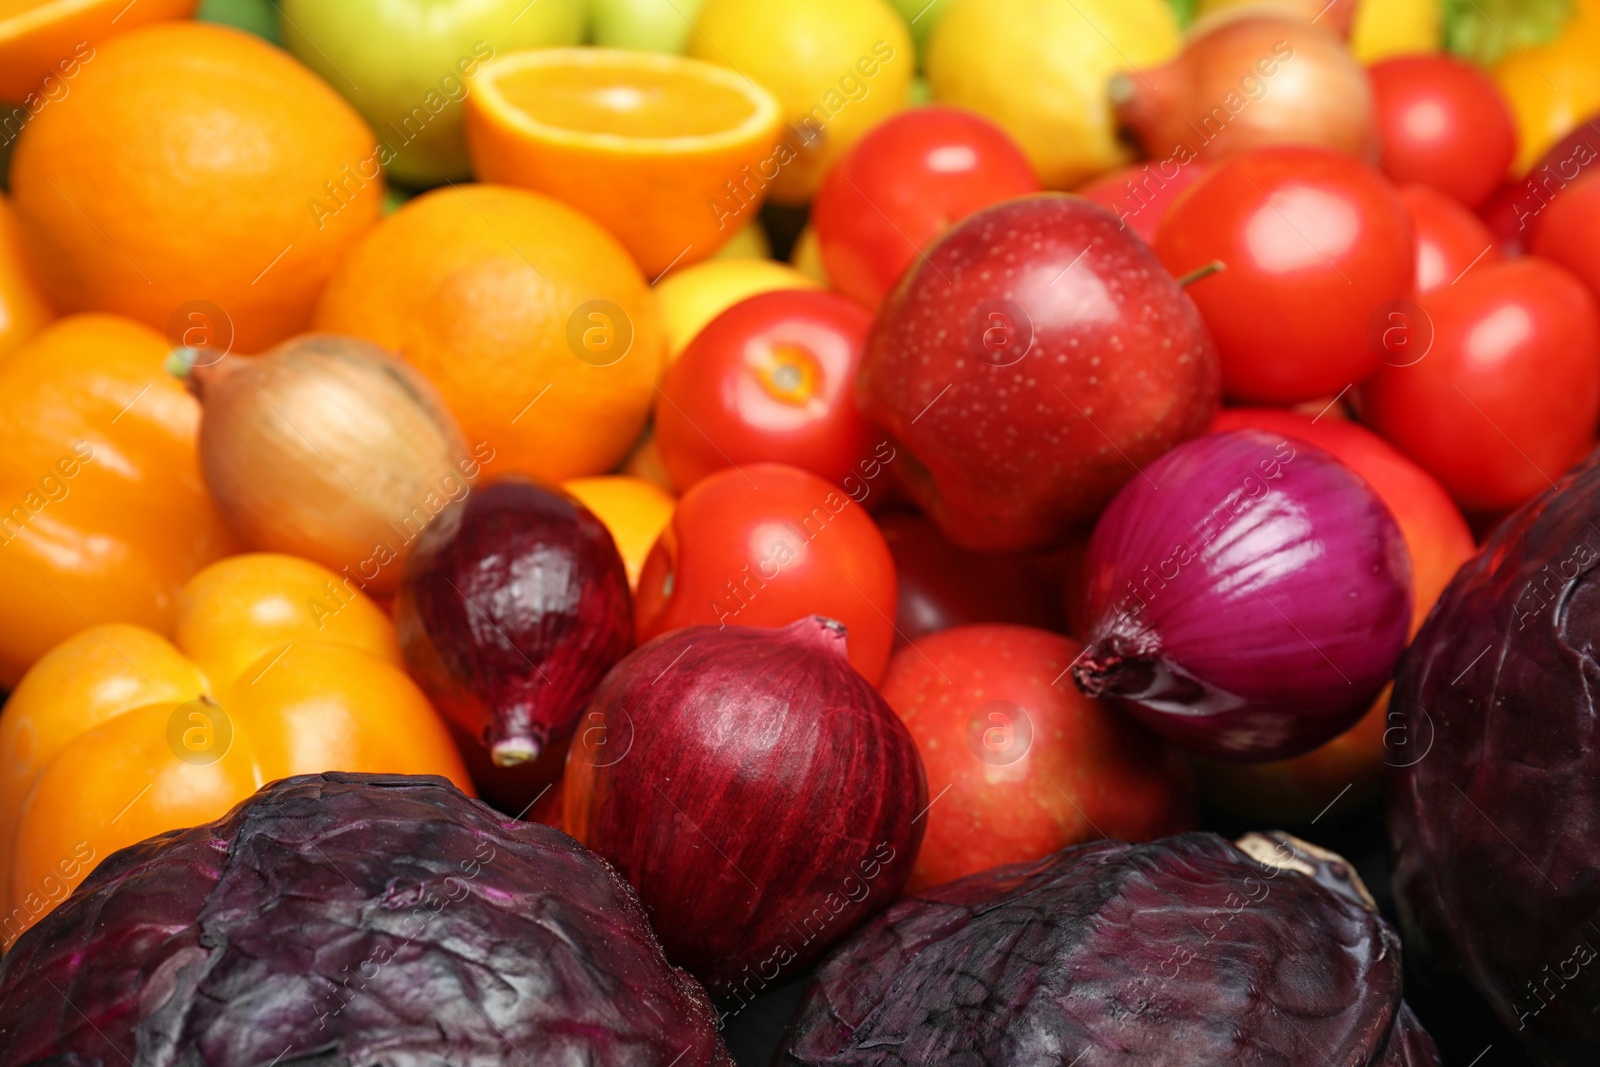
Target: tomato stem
1216	266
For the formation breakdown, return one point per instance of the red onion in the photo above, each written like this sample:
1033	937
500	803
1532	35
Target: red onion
1252	606
513	605
759	794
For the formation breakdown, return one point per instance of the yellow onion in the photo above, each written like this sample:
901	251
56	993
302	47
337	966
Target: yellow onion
1245	83
329	448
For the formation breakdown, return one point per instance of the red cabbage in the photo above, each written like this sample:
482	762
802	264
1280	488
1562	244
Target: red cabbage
346	920
1181	951
1495	806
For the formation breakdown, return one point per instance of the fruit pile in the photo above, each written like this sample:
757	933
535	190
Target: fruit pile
528	528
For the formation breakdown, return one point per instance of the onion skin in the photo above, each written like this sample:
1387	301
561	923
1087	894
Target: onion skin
513	607
330	449
1254	605
1247	83
755	789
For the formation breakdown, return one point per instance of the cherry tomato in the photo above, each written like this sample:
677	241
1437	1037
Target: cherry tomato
904	184
764	545
1450	239
1507	396
772	378
1442	123
1141	193
1314	245
1569	232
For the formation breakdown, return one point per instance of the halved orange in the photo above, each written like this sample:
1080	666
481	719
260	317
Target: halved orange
672	155
43	37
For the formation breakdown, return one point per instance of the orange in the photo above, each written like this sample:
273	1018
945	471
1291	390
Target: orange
48	37
103	512
23	308
633	509
645	143
533	323
277	667
193	162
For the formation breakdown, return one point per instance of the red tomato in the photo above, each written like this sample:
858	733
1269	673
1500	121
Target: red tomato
1569	232
1140	194
1507	397
1029	763
1315	245
764	545
770	379
1350	767
1442	123
1450	239
905	183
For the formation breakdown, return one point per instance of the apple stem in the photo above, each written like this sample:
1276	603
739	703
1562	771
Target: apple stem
1216	266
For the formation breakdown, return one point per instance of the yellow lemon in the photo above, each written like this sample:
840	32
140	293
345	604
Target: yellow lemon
838	67
1384	28
1039	68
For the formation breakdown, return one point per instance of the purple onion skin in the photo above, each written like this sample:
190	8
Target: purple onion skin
513	606
1494	799
351	919
757	792
1182	952
1251	607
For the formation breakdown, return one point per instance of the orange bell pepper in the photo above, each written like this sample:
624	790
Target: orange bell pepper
275	668
103	512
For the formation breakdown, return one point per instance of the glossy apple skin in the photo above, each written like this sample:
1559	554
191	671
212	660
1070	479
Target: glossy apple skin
398	59
1349	768
1450	239
942	585
902	185
1140	193
1030	365
1022	784
513	606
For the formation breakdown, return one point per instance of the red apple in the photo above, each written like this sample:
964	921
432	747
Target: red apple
1030	364
1020	764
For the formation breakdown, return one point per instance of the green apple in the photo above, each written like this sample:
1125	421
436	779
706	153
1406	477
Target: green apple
253	16
404	65
643	25
923	15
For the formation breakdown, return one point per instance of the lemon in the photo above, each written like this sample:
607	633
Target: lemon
691	297
749	243
1039	68
838	67
807	257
